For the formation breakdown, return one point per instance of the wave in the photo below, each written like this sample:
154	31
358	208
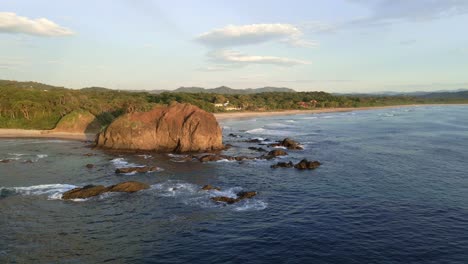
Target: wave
190	194
145	156
123	163
54	191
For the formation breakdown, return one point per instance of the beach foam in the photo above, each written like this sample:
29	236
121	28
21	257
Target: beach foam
54	191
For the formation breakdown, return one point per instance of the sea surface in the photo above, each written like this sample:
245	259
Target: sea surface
392	188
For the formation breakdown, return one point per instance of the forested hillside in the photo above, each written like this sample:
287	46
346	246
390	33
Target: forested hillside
32	105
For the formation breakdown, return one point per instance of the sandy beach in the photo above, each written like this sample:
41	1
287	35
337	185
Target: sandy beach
23	133
236	115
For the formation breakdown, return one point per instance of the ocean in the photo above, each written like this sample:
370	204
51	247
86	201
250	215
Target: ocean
392	188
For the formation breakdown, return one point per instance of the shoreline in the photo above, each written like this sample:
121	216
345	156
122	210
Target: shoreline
26	133
242	115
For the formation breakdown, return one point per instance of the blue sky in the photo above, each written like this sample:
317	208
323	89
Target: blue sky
334	46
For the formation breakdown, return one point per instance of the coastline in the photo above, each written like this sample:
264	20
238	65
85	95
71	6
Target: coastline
26	133
241	115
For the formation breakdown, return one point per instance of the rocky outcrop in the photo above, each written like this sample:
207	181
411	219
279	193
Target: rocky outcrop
176	128
84	192
258	149
210	187
224	199
95	190
129	187
307	165
274	153
288	143
78	121
90	166
136	169
230	200
282	165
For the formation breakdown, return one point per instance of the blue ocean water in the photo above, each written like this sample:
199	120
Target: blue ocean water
392	188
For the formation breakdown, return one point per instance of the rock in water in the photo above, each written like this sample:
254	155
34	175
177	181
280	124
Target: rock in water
246	195
210	187
282	165
288	143
224	199
274	153
230	200
95	190
307	165
176	128
136	169
130	186
84	192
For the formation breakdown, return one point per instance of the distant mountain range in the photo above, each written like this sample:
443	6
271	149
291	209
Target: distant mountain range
223	90
441	94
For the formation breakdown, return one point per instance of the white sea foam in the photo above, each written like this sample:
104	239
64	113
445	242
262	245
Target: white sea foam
122	163
41	156
250	205
271	132
16	154
177	155
309	118
193	195
279	125
54	191
145	156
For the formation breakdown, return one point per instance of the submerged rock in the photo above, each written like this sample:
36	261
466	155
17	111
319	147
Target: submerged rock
84	192
227	146
282	165
5	160
255	140
224	199
209	157
136	169
176	128
307	165
246	195
89	166
258	149
230	200
210	187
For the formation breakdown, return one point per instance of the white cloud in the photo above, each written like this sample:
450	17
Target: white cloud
233	35
235	57
12	23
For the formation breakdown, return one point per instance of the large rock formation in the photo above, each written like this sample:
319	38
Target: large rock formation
78	121
177	128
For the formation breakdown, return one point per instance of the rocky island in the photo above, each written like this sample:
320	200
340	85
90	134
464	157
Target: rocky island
174	128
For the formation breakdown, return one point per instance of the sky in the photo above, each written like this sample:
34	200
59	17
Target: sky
346	46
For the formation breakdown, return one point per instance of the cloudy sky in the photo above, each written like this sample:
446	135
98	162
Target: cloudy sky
329	45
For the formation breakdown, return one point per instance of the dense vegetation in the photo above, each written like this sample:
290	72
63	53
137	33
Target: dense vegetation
33	105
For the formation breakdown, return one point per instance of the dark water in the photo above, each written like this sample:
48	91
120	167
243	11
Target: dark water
393	188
